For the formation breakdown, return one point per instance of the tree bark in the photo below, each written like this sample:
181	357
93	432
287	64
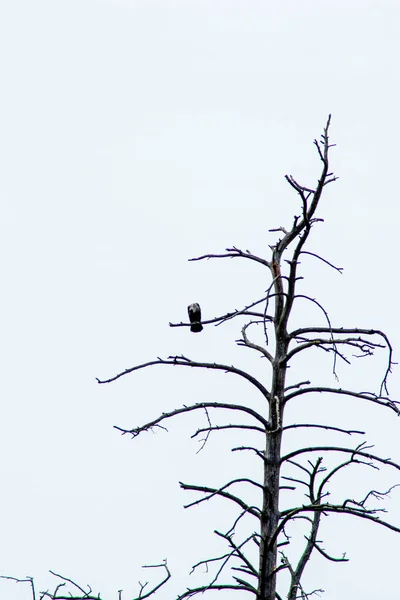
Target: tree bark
272	461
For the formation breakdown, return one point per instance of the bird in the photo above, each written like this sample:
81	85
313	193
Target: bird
195	317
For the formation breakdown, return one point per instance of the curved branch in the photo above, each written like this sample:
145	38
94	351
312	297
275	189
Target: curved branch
305	297
335	470
233	426
218	587
26	580
363	345
248	344
234	253
328	427
158	586
182	361
327	320
381	400
252	510
374	494
86	595
364	514
339	269
297	385
353	451
354	330
328	556
257	452
199	405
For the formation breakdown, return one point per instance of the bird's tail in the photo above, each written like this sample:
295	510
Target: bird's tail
196	327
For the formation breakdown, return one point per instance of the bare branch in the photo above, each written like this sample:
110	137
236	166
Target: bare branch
251	510
26	580
305	557
159	585
374	494
227	317
231	315
328	556
339	269
381	400
297	385
338	468
85	594
354	330
185	409
325	508
235	523
208	432
245	311
236	551
182	361
221	427
365	346
218	587
355	451
327	427
234	253
299	466
246	342
258	452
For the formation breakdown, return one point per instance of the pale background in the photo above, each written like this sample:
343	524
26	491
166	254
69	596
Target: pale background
134	135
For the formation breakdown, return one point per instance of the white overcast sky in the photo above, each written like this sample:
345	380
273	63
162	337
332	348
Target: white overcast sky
134	135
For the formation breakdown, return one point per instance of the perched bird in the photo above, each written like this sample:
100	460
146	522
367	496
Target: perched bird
195	317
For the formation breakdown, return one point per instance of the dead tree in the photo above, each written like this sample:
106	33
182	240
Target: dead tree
256	560
279	346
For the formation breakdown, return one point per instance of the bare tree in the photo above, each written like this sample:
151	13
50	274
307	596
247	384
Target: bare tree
279	347
257	558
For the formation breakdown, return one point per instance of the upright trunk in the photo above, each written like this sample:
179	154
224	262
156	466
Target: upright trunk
270	509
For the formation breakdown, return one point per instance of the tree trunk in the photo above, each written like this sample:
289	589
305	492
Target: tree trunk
270	510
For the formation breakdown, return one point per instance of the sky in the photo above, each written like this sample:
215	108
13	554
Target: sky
136	134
